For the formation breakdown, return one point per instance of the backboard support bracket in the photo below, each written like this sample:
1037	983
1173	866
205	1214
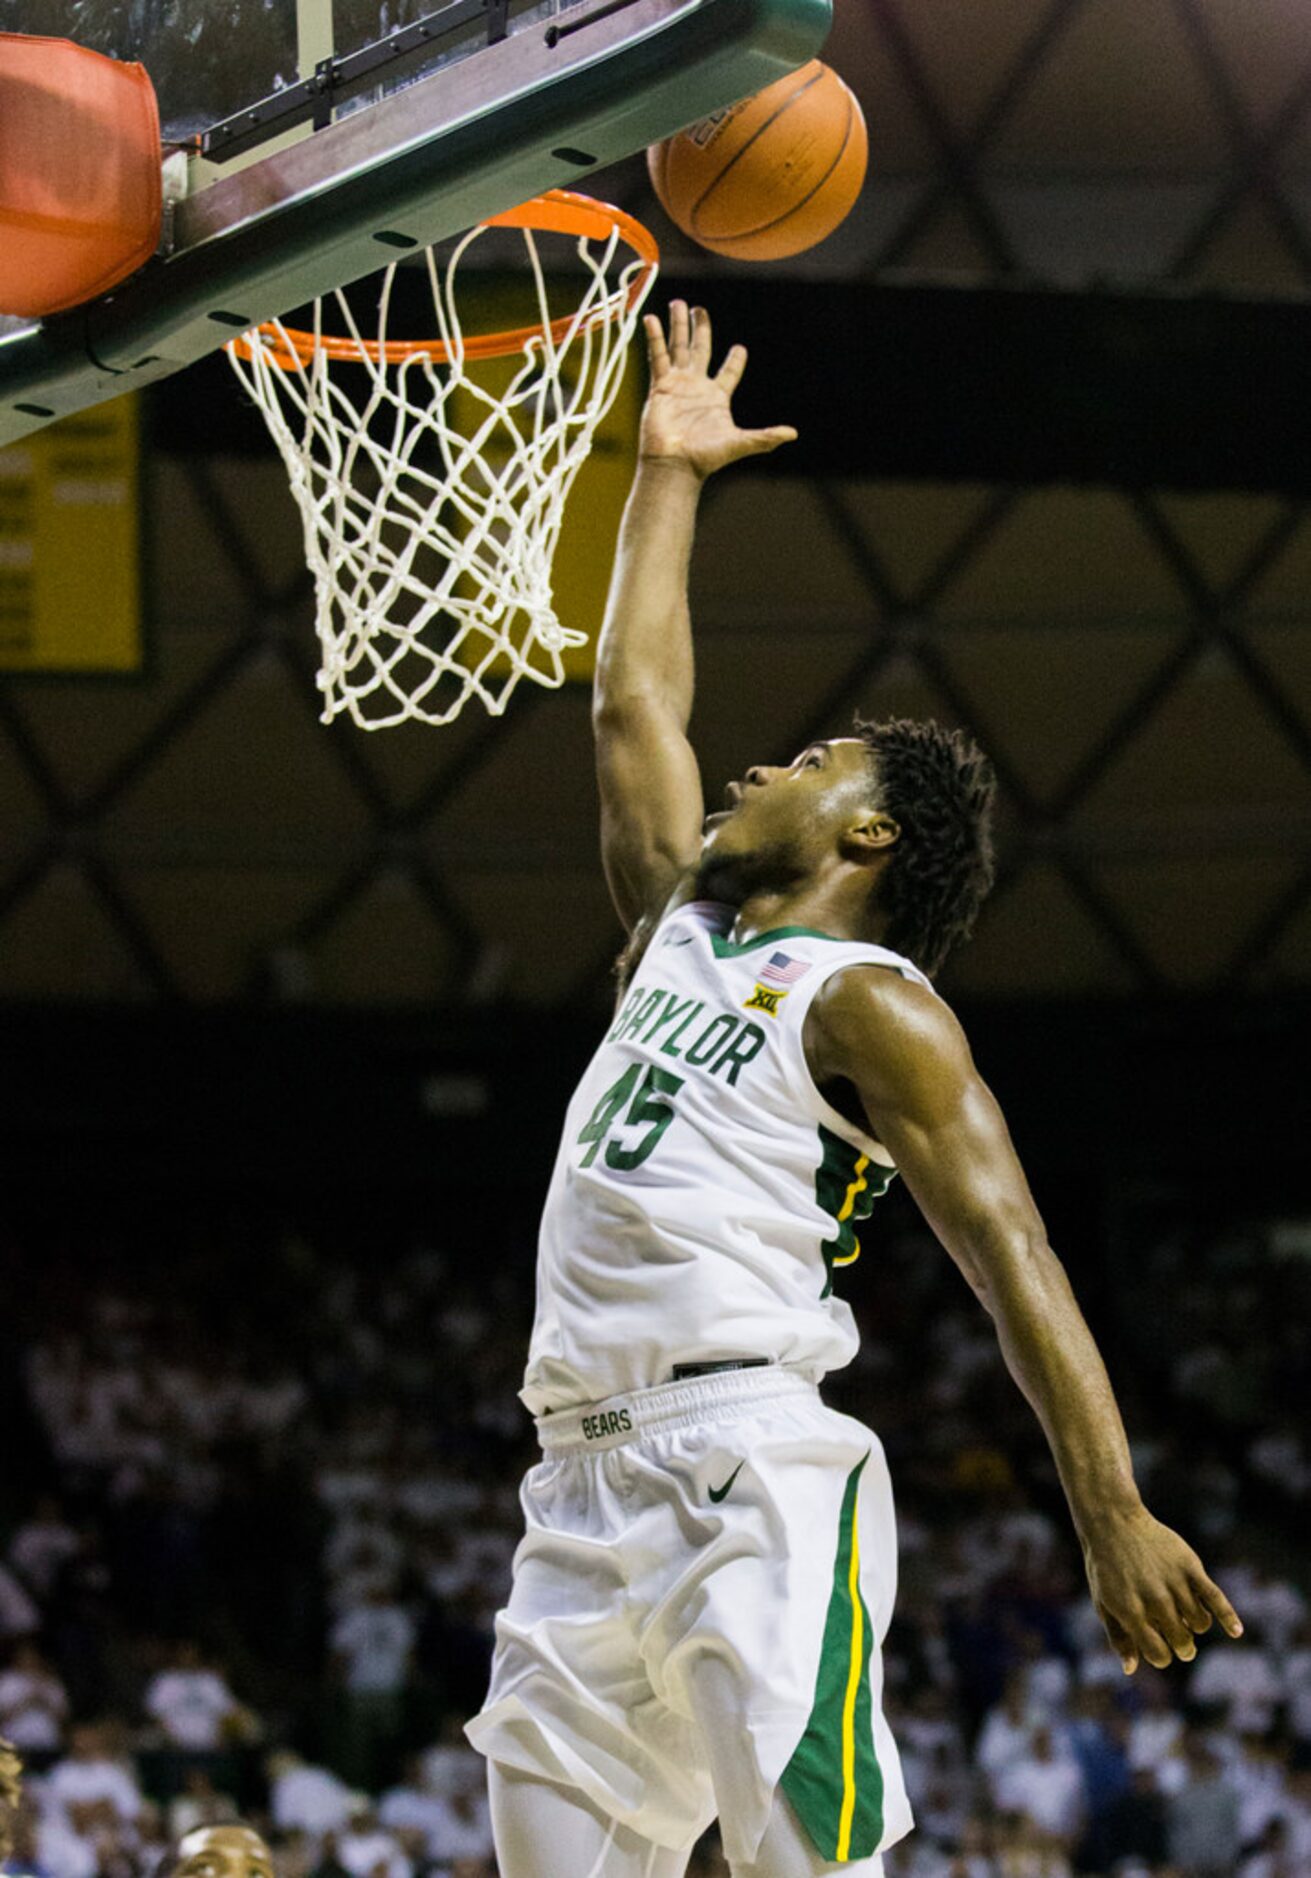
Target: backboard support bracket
337	78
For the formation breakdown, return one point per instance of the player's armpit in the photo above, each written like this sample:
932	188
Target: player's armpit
905	1055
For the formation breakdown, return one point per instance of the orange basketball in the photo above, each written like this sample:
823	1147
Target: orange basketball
770	176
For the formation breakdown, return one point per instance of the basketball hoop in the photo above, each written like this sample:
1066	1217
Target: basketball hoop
431	504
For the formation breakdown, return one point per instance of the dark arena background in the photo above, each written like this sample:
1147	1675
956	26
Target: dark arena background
291	1014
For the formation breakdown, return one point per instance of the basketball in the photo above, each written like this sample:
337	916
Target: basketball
768	177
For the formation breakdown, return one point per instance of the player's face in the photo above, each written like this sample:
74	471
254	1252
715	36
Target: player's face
780	823
224	1852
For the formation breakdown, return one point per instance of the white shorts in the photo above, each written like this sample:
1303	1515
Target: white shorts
698	1603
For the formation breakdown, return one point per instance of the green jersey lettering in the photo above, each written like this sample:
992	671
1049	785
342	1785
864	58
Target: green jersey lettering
598	1125
669	1046
646	1109
715	1033
738	1052
623	1014
650	1004
674	1008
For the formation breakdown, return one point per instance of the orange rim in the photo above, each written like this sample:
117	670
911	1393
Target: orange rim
556	211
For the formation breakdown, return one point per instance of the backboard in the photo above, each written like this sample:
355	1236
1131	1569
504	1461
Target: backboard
313	140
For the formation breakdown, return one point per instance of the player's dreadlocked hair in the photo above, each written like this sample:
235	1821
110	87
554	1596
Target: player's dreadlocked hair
10	1791
938	786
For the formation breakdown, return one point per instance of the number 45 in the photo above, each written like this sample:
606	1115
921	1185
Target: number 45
645	1108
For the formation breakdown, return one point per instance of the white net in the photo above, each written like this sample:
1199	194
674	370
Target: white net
432	499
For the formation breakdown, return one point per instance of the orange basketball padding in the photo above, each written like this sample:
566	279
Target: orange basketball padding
770	176
80	173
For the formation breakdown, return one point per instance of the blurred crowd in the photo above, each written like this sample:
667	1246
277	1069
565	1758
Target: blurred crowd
253	1565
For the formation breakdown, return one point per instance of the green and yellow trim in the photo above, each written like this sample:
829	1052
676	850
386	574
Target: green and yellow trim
859	1183
834	1780
734	949
847	1183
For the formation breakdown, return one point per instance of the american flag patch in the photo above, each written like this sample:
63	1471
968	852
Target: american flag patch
782	970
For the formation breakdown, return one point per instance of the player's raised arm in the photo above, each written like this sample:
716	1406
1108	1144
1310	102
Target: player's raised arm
909	1062
651	803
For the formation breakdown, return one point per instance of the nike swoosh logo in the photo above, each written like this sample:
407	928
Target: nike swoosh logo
717	1493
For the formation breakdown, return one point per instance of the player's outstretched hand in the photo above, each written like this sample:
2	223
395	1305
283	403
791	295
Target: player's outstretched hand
688	416
1151	1591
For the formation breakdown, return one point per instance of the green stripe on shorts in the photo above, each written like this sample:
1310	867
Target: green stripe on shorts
834	1780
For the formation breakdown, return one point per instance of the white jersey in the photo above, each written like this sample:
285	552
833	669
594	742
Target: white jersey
705	1193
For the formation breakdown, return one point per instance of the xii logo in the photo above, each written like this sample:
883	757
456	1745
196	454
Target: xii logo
765	998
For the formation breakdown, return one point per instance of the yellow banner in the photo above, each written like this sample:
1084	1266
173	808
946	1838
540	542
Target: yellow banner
70	545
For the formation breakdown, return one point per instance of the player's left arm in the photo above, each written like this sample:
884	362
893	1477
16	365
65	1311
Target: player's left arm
907	1058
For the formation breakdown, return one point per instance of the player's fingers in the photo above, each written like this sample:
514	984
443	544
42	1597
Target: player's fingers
701	338
1195	1615
657	351
1189	1608
1167	1611
729	375
1120	1641
678	332
759	441
1152	1645
1179	1637
1213	1598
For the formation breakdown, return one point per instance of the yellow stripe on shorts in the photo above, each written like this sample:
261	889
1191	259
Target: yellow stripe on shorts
853	1687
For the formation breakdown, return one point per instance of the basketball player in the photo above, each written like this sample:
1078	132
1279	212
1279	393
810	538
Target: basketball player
11	1794
233	1851
709	1563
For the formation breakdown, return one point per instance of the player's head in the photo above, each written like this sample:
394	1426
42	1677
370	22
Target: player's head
218	1852
900	814
939	788
11	1792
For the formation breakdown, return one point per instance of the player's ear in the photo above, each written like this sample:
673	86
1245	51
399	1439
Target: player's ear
870	838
